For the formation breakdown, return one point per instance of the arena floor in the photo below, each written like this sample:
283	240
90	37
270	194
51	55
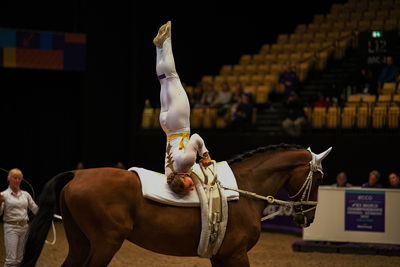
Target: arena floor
273	250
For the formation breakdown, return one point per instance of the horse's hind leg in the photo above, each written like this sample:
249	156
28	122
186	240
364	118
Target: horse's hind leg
78	243
90	248
101	252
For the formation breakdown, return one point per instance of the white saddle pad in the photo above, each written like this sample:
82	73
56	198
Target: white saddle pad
155	187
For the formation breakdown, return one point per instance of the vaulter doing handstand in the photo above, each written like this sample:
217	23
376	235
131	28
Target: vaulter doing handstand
182	149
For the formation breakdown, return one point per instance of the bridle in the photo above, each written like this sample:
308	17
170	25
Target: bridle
305	189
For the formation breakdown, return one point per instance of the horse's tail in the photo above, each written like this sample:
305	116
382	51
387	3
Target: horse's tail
41	223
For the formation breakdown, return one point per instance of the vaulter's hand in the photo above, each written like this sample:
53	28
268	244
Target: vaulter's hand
206	160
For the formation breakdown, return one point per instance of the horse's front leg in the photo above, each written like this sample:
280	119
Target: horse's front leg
239	259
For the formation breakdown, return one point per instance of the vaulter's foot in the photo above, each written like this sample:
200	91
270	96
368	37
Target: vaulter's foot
163	33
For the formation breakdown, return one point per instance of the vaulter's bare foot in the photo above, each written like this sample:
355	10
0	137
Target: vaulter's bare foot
163	33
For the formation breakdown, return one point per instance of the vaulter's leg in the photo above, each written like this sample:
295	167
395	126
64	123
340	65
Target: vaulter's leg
175	108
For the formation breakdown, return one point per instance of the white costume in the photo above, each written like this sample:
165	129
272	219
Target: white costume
15	207
182	148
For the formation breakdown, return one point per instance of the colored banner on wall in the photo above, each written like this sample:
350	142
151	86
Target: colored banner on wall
42	50
365	211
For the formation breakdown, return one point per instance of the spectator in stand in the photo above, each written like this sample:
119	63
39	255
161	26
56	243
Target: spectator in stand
196	96
341	180
295	117
289	79
365	82
238	89
209	95
394	180
322	101
223	100
373	179
242	112
389	72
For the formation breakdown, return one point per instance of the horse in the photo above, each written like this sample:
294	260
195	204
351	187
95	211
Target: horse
102	207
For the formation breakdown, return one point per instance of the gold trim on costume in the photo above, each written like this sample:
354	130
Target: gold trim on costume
181	143
170	159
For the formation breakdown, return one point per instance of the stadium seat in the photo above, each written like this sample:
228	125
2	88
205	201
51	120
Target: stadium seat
226	70
318	117
238	69
333	117
156	121
147	118
258	59
262	93
207	79
245	59
378	117
348	117
393	117
362	117
196	118
388	88
263	68
257	79
250	69
210	115
265	49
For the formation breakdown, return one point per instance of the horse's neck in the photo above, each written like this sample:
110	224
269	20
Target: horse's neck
254	175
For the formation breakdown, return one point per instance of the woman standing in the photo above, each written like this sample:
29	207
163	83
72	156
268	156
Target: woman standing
15	204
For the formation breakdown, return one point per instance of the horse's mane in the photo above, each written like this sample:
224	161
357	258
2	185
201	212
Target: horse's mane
251	153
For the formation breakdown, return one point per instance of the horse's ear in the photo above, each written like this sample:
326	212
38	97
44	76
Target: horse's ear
322	155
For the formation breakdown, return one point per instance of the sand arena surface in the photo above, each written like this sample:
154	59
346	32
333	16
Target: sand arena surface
272	249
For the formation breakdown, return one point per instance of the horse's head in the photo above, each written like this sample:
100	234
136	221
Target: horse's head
302	187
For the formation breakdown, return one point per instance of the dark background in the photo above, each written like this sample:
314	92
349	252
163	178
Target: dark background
53	119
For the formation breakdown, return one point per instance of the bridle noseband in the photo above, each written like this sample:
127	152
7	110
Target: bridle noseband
306	188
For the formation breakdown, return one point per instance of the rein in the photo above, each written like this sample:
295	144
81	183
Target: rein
305	188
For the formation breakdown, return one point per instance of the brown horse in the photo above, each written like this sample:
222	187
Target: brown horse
102	207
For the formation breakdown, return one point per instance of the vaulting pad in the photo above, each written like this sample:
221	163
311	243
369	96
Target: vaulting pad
155	187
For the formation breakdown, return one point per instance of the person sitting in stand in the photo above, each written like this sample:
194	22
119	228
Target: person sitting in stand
394	180
341	180
389	72
373	179
242	112
289	79
182	149
295	117
223	100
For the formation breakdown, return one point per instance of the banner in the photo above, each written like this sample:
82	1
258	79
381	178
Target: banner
365	211
42	50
